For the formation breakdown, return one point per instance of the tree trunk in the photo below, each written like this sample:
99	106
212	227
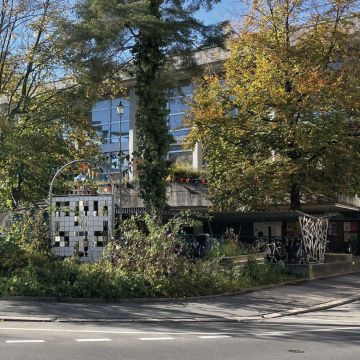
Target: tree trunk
295	197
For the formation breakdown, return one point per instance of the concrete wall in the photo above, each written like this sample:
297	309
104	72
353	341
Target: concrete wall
178	195
314	271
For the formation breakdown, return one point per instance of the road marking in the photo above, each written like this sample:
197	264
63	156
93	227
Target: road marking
157	338
214	336
23	341
274	333
92	340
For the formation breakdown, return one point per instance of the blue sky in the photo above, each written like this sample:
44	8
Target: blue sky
225	10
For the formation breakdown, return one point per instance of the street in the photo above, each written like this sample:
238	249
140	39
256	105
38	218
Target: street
329	334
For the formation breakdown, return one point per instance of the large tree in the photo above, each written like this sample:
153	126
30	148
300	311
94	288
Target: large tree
43	121
145	39
281	124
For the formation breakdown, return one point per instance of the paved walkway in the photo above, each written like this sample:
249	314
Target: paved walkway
249	305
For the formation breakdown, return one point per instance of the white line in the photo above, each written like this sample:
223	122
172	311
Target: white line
92	340
276	333
23	341
214	336
157	338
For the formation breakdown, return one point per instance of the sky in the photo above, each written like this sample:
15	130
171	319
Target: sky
225	10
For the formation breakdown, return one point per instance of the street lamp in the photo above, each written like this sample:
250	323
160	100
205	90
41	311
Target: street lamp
120	112
120	109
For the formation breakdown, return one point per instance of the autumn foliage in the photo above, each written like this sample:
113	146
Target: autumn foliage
280	125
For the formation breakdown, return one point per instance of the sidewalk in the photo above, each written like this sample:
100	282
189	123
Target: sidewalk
235	307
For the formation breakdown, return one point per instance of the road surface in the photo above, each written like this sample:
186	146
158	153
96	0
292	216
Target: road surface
331	334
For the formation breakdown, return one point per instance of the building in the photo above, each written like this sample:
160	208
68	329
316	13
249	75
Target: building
120	133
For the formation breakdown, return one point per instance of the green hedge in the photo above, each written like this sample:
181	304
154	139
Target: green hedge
152	261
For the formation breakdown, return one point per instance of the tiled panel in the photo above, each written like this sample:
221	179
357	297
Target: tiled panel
75	227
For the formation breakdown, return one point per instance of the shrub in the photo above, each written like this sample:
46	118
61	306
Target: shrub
180	170
150	261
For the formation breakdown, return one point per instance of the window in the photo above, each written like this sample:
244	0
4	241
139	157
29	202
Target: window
106	121
101	105
180	133
115	128
176	121
332	229
177	107
351	231
111	127
124	142
103	131
101	117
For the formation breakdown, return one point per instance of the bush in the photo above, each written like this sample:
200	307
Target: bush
180	170
150	261
230	246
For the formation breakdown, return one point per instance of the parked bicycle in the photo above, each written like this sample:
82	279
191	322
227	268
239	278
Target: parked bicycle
354	247
288	250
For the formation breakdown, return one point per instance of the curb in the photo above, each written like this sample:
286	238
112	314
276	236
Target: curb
319	307
260	317
159	320
26	318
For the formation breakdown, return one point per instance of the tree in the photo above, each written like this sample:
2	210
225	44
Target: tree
143	39
43	122
281	124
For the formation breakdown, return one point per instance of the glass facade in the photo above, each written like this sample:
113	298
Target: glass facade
177	106
108	126
107	123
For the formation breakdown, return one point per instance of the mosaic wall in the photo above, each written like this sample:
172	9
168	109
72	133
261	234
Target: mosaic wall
82	225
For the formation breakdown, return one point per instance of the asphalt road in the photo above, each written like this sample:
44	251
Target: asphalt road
331	334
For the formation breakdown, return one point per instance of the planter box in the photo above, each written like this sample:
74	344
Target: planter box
335	264
241	260
338	258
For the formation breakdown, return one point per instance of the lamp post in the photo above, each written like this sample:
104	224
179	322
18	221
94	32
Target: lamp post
120	112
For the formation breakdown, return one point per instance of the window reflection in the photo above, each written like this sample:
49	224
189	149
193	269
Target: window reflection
103	130
115	128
